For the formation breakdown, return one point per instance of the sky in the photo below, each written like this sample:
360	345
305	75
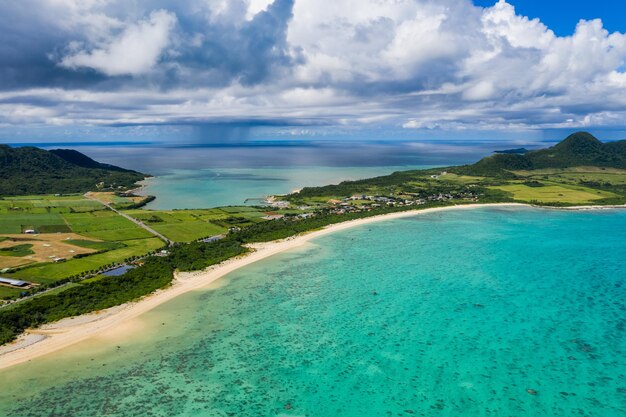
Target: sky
236	70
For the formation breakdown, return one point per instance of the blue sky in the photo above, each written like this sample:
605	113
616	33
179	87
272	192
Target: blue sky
236	70
562	16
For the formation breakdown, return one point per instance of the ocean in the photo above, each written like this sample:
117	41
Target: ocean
486	312
211	175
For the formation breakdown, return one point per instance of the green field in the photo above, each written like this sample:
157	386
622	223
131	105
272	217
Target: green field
12	292
461	179
188	231
48	204
99	246
119	201
49	272
13	223
104	225
42	213
190	225
555	193
17	250
120	238
579	175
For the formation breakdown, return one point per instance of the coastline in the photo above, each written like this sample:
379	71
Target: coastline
59	335
142	185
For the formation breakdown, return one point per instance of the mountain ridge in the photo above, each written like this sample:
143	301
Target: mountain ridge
578	149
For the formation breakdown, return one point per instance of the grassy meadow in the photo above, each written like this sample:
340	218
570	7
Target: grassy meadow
552	193
190	225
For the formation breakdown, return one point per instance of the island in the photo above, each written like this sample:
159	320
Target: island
78	242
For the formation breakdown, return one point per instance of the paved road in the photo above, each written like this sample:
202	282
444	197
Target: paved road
132	219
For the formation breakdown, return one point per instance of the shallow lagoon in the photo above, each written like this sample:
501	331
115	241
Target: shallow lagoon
201	176
489	312
200	188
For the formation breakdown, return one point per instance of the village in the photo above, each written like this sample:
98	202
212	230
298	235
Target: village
362	203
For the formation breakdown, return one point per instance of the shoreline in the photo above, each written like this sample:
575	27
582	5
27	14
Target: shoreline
67	332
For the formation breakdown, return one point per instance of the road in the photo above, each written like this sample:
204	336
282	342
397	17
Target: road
132	219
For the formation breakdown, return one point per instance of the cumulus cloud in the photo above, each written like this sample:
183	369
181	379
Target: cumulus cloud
135	51
349	64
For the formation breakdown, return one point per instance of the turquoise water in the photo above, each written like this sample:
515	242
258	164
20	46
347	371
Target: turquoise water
490	312
201	188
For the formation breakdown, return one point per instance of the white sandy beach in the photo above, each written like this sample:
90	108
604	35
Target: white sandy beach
67	332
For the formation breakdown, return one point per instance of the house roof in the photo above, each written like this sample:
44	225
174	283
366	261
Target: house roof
15	282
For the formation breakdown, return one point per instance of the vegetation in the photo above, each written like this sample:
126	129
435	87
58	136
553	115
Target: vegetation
291	226
190	225
30	170
578	149
199	255
112	237
546	193
17	250
50	272
99	246
104	225
105	292
121	200
16	223
135	204
188	231
42	213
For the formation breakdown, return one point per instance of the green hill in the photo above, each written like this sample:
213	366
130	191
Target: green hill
30	170
579	149
82	160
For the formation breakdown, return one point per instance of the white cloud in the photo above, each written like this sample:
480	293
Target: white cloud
373	40
501	23
134	52
417	64
256	6
482	90
522	57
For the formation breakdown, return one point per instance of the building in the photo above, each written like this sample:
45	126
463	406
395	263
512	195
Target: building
213	239
30	232
14	282
273	217
279	204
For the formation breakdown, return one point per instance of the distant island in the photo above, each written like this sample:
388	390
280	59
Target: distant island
88	248
514	151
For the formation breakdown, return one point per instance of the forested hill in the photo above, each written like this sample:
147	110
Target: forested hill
30	170
82	160
579	149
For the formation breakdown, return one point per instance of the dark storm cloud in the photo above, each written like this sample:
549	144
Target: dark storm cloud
205	51
28	36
